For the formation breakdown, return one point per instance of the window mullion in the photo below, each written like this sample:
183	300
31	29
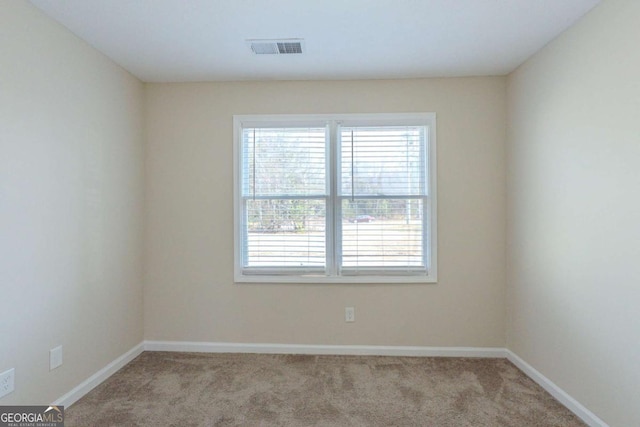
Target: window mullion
333	224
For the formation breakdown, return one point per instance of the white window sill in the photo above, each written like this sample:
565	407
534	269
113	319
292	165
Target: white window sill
422	278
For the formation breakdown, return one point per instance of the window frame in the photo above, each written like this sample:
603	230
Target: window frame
331	273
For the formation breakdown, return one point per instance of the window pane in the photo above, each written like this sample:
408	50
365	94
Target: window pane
382	161
382	233
285	233
283	161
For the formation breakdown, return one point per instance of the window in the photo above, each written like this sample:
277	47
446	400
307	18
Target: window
335	198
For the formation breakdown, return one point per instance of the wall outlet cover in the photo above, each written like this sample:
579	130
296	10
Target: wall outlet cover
7	382
55	357
349	314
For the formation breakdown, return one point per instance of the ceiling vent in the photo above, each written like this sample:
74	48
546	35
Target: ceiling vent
276	47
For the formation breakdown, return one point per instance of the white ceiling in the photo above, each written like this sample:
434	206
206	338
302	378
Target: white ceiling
204	40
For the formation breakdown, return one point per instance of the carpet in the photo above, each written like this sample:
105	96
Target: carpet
201	389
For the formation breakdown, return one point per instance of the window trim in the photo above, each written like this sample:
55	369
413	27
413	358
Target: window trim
333	120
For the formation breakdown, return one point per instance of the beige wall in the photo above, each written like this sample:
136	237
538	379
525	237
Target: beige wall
71	187
189	289
574	212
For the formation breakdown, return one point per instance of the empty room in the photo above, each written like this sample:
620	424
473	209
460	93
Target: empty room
320	213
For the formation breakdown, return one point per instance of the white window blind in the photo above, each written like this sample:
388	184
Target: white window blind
383	194
284	196
335	198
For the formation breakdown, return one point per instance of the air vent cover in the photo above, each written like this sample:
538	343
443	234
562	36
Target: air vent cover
276	47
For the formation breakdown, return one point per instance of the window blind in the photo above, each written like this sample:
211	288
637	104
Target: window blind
284	192
383	196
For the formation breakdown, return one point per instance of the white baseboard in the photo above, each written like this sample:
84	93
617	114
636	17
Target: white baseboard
97	378
563	397
356	350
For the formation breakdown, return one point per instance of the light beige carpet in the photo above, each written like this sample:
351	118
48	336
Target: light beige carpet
195	389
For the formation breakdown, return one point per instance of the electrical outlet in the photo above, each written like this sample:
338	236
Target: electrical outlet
55	357
349	314
7	381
